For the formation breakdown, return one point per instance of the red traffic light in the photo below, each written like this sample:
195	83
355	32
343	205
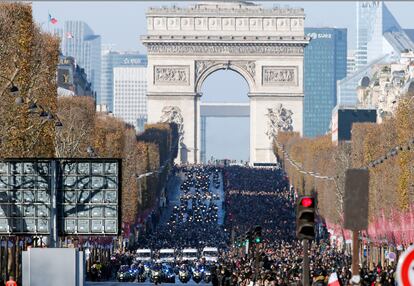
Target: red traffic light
306	202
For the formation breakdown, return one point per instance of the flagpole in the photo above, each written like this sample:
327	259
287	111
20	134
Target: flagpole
48	21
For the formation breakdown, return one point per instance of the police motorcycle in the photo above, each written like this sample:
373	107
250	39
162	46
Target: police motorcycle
156	274
147	268
168	273
197	273
184	274
126	274
207	273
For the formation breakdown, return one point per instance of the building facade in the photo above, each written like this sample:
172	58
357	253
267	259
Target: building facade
325	63
111	59
387	85
350	63
380	40
72	79
79	41
130	90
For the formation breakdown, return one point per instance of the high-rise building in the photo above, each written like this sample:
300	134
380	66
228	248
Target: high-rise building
380	39
130	95
111	59
79	41
350	62
325	63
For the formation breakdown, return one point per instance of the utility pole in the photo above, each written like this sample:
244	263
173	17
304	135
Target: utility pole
305	243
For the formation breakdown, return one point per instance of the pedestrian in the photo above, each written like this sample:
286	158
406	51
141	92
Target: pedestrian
11	281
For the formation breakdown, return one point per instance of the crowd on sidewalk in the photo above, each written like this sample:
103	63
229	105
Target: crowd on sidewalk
263	197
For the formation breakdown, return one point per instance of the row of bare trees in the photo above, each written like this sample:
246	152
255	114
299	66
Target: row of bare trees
391	180
35	123
28	60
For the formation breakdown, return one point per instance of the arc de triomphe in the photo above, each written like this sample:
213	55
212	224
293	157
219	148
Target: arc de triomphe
265	46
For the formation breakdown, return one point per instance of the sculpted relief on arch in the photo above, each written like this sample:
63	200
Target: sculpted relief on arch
248	66
173	114
279	119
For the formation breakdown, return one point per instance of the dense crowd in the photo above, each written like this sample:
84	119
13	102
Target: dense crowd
252	197
194	221
263	197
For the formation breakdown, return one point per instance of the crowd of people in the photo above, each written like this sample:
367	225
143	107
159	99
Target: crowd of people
194	221
263	197
252	197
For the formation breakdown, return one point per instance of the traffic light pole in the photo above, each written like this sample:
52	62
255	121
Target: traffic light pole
256	262
355	253
305	243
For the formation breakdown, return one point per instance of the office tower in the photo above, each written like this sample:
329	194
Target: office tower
130	91
111	59
79	41
350	62
380	39
325	63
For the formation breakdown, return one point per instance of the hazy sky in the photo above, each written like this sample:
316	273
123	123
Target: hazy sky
122	23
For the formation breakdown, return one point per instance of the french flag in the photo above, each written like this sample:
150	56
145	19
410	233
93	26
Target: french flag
333	280
52	20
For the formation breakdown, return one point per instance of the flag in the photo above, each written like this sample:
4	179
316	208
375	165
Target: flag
333	280
69	35
52	20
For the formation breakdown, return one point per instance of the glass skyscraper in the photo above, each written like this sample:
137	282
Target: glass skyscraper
111	59
79	41
380	39
325	63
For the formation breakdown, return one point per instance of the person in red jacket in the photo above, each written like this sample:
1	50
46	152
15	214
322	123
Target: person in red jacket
11	282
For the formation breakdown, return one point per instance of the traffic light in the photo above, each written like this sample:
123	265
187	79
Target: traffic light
305	217
257	233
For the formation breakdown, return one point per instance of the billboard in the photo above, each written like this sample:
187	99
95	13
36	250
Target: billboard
87	196
25	196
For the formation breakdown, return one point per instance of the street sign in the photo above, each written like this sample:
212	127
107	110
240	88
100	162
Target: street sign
405	268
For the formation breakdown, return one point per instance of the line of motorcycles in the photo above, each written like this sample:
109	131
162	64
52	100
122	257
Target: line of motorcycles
158	273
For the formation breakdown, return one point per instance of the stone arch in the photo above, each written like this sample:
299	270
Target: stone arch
229	65
264	46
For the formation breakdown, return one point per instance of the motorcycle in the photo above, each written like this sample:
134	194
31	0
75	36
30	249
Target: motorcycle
207	275
168	274
125	274
197	275
156	276
184	275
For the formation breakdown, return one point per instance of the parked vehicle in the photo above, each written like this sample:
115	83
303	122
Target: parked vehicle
189	254
210	254
167	255
143	255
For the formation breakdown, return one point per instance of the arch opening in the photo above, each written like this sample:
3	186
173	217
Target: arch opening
225	116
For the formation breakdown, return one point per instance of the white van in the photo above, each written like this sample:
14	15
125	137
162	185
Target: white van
143	254
167	255
210	254
190	254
